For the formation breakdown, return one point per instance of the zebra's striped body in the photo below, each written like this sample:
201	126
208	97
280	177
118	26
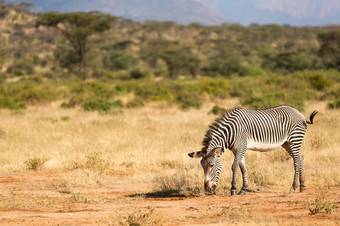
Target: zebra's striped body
259	130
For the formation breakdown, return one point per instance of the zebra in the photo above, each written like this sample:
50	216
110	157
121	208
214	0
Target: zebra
259	130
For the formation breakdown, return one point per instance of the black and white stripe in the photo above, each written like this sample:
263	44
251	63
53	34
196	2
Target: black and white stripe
259	130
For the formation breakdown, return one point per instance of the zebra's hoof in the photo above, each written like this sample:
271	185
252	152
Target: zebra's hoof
302	188
233	192
292	191
242	192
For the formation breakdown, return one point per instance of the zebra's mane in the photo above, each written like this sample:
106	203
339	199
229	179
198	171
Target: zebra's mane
215	125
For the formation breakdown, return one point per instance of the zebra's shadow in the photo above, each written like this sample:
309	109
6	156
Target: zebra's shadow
171	193
160	194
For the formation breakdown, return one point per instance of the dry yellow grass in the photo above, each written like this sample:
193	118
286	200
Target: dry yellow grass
150	144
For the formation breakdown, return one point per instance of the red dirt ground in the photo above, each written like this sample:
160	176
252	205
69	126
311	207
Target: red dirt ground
31	199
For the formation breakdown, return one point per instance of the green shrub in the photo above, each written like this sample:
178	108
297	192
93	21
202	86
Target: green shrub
101	105
255	71
263	100
268	91
14	95
188	96
10	103
331	207
215	87
137	74
334	98
136	102
319	81
334	104
90	95
21	68
119	61
35	94
153	91
217	110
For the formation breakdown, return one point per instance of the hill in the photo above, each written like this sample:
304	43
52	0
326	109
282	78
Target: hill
293	12
207	12
181	11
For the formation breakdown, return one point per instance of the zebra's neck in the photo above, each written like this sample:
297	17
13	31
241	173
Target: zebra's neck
220	133
216	139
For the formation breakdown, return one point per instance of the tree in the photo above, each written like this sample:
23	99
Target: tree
77	27
179	60
330	47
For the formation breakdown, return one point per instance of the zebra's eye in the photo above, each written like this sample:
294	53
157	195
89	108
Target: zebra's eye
212	165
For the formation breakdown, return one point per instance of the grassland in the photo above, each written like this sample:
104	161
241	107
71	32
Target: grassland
57	160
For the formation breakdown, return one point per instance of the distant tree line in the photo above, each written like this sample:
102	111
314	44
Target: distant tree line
93	44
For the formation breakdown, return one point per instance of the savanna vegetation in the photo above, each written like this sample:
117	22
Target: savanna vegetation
156	87
92	60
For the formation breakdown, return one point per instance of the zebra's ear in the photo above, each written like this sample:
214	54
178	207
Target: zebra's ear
217	151
197	154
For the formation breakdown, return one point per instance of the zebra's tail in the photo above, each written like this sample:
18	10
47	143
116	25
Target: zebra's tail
311	117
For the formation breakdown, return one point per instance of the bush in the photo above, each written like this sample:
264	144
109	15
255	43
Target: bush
31	90
137	74
22	68
269	91
90	95
119	61
101	105
10	103
263	100
225	65
215	87
334	104
185	93
188	96
136	102
319	81
152	91
217	110
36	94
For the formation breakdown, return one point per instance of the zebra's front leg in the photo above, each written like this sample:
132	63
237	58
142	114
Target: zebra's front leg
233	182
239	155
244	177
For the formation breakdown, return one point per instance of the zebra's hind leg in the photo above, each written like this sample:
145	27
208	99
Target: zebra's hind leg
233	182
294	151
302	174
244	177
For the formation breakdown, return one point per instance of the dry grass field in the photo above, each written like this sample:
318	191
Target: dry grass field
71	167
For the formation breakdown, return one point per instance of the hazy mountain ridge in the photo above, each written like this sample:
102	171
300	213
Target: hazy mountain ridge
207	12
181	11
302	8
294	12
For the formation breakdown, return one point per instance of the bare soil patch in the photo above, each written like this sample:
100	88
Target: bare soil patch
32	199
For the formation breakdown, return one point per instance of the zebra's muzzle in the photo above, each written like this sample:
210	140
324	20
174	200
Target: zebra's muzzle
208	187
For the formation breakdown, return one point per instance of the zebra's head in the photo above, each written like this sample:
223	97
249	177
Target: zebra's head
211	165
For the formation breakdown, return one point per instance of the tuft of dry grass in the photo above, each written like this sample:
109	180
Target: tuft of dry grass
35	163
177	183
319	204
142	217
